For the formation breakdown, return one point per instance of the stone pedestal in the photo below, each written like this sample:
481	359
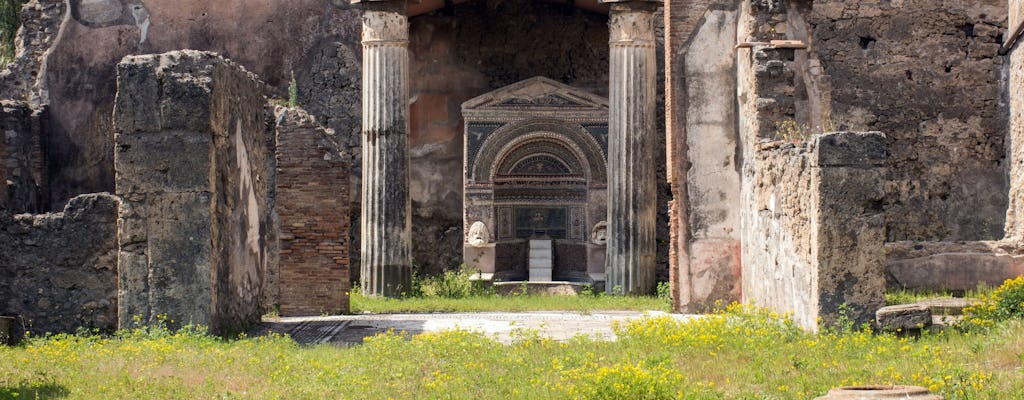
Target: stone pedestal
386	216
632	193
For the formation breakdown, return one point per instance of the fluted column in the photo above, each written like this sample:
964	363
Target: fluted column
386	266
632	193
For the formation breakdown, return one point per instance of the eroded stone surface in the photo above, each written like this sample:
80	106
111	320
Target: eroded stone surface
193	172
815	230
927	74
903	317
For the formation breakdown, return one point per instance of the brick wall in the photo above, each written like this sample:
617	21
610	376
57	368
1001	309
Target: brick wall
23	185
313	209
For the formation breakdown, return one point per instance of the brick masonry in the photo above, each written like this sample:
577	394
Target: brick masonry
313	209
23	184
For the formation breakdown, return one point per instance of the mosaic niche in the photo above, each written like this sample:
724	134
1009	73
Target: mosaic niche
535	165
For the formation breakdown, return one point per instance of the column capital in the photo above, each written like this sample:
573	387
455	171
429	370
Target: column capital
632	23
385	23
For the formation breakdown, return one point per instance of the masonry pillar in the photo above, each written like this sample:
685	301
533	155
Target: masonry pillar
632	193
386	218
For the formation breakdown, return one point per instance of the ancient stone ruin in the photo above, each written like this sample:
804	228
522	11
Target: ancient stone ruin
799	155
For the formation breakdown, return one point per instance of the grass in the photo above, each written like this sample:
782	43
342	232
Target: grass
741	354
483	302
904	296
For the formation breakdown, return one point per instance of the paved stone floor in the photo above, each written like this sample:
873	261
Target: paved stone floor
503	327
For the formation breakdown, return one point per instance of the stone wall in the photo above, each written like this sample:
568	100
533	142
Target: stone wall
192	170
814	227
41	21
927	74
58	272
313	209
23	184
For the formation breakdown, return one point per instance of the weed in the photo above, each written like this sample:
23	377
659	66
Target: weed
664	292
10	21
1004	303
791	131
293	92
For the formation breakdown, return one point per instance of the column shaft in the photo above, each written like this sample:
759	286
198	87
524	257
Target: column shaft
632	192
386	217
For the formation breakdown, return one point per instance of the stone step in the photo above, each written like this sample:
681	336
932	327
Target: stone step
540	274
540	263
540	244
540	253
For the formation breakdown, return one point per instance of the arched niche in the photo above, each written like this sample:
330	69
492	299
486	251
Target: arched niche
535	165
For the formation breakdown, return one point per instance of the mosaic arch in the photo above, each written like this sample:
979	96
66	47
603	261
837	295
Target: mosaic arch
535	164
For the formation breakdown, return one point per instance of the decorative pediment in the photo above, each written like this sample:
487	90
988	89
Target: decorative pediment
538	94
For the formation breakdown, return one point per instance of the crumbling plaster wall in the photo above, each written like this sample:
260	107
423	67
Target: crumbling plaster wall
714	154
927	74
193	174
1015	58
58	271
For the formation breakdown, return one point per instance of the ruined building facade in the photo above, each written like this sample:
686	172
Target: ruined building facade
796	154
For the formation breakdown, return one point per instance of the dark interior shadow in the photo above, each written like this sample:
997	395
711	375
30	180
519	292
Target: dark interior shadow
339	332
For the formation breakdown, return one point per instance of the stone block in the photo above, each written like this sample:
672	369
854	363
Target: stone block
136	107
903	317
166	161
481	258
850	149
953	270
185	103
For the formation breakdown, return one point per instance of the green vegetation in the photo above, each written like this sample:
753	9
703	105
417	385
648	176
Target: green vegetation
10	21
490	302
903	296
739	353
456	291
293	92
1004	303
